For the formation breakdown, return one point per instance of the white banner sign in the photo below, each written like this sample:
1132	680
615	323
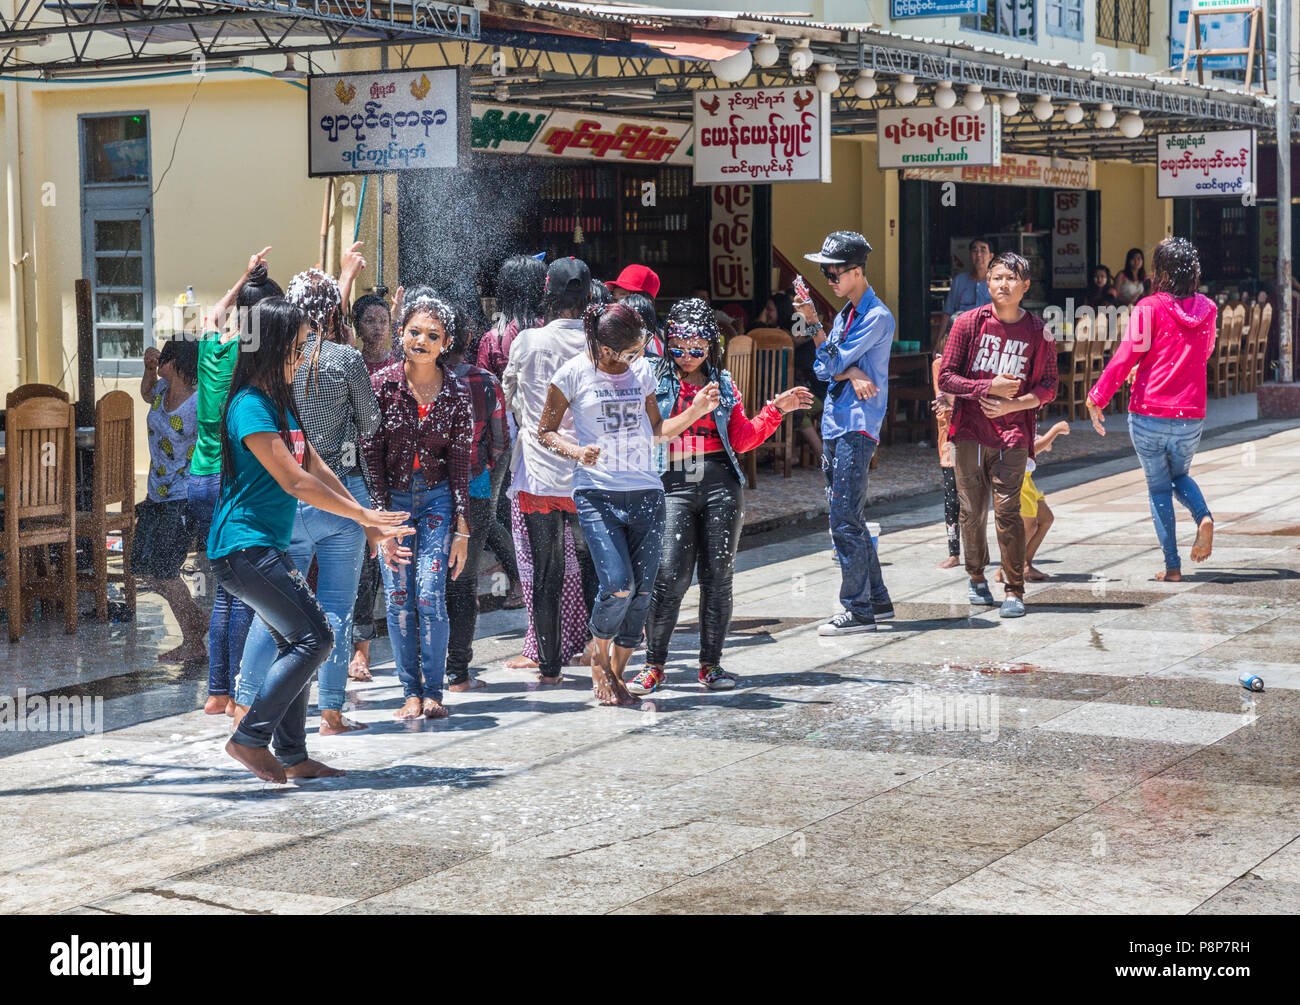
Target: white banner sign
1015	169
762	134
359	123
937	137
731	254
1205	164
1070	241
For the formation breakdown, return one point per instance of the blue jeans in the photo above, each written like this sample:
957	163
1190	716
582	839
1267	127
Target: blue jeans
845	460
418	628
338	544
624	533
1166	448
231	617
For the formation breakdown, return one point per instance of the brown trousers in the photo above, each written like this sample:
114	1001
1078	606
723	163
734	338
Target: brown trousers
980	469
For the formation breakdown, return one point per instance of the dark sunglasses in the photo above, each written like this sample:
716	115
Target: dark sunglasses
693	353
834	277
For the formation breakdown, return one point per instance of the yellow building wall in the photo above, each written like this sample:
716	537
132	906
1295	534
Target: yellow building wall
1131	215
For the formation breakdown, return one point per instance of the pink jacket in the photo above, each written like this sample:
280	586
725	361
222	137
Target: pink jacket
1169	341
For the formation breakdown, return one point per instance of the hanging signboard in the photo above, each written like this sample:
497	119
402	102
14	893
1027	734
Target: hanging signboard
504	129
614	139
763	134
1070	240
397	120
731	254
935	8
937	137
1015	169
1205	164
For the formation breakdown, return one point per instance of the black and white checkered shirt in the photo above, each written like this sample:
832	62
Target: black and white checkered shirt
336	404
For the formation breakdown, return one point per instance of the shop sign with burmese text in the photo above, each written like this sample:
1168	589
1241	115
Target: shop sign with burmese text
505	129
389	120
614	139
731	247
1196	164
938	137
1070	240
935	8
763	134
1015	169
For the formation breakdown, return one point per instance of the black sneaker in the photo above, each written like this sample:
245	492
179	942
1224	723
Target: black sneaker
847	623
883	612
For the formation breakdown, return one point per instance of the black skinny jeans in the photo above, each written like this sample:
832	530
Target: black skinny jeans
546	542
951	511
265	580
702	525
462	594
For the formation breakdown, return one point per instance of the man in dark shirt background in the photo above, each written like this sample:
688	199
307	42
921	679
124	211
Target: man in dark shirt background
1001	367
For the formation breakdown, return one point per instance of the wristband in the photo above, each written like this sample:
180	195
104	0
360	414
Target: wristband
459	534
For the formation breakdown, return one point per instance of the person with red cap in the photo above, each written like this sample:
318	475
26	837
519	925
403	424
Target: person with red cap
635	279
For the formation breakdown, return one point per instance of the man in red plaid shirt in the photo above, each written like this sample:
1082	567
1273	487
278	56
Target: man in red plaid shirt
1000	365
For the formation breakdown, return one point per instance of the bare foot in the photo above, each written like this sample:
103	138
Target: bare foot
609	690
1034	575
411	709
184	652
359	668
951	562
471	683
521	663
434	709
1169	576
237	715
555	681
230	708
588	657
997	576
312	769
1204	541
334	722
258	760
217	704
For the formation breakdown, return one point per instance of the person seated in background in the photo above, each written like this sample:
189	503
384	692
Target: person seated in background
970	289
163	531
779	312
1101	292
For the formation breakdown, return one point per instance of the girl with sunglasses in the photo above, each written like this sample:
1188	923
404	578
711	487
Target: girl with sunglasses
707	428
610	390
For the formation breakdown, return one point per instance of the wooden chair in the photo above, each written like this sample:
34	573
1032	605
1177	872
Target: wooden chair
113	485
1246	360
26	392
774	373
1227	347
40	502
740	362
1261	345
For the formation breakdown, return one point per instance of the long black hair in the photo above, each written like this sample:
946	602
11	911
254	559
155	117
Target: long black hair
274	324
1128	260
363	304
645	307
1176	267
694	318
784	311
520	285
614	326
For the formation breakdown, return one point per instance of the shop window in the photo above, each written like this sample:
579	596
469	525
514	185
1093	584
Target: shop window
1124	22
1010	18
117	238
1064	18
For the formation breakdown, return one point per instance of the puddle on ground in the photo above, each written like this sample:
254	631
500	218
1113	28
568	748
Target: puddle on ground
993	667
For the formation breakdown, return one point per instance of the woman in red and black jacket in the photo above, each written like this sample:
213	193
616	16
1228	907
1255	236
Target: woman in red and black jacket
704	501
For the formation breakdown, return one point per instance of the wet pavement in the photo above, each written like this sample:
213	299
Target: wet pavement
1097	756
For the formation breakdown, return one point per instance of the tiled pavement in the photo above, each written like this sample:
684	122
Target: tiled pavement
1096	756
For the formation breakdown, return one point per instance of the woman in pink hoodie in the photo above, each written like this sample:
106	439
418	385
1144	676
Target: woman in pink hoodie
1169	338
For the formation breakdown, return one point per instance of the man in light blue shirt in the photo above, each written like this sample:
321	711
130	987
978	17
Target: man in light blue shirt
854	359
970	289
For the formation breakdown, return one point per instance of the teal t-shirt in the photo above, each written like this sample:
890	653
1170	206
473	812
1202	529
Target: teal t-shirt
253	510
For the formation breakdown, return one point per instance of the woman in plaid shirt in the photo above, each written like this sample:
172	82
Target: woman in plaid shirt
421	455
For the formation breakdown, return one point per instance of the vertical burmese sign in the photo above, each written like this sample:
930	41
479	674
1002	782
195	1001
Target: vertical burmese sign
731	248
362	123
937	137
762	134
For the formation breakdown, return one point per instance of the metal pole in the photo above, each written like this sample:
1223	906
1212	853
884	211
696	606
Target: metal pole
1284	188
379	203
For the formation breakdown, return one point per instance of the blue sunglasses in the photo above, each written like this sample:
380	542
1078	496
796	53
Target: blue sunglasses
693	353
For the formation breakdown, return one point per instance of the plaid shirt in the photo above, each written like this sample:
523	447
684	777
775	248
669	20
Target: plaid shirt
491	435
336	404
444	438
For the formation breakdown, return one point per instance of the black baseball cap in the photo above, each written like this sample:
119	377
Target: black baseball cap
568	275
844	247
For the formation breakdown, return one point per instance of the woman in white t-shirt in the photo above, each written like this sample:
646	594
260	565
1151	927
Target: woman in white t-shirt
610	390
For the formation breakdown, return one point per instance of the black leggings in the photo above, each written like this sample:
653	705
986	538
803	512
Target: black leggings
546	542
951	511
265	580
462	593
703	517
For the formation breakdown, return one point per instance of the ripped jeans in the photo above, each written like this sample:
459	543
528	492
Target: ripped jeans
624	533
418	628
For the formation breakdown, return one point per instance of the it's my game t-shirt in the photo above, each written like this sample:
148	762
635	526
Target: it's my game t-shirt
253	510
1000	348
609	412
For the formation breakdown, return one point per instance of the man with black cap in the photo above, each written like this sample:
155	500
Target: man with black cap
854	359
542	480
